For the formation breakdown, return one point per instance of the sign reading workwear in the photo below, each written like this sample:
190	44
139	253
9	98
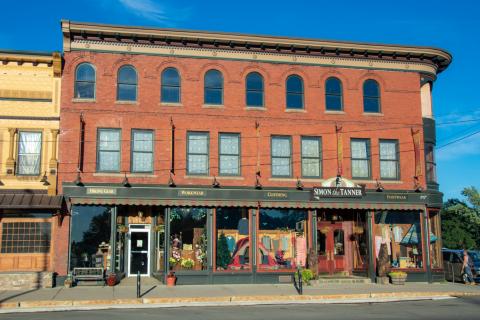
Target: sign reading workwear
319	193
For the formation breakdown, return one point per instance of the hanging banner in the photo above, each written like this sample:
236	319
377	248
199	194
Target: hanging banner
416	149
338	131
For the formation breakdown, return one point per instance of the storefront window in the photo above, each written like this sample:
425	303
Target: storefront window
435	241
188	238
360	242
282	239
160	241
402	233
90	237
233	239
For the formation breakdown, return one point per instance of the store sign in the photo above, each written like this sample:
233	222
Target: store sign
191	193
319	193
102	191
276	195
396	197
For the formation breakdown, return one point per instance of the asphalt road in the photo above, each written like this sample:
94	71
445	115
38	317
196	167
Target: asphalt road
463	308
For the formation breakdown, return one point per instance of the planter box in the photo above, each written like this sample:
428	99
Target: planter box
398	280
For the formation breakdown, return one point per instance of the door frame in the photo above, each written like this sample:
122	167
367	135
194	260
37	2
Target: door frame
146	229
331	258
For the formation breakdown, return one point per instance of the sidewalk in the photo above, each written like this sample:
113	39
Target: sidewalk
88	297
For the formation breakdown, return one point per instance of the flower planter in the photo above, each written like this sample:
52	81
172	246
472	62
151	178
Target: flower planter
398	280
112	279
171	280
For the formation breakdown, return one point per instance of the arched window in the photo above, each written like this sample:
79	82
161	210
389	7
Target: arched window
371	96
213	93
254	89
85	81
333	94
127	84
170	86
294	92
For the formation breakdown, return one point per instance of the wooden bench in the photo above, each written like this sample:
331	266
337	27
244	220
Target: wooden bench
89	275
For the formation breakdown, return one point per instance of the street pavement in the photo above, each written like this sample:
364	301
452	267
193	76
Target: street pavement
452	308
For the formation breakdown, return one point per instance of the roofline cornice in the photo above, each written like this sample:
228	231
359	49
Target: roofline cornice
51	59
439	57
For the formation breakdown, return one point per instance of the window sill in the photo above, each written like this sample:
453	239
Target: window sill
373	114
126	102
213	106
78	100
108	174
170	104
296	110
312	179
141	175
197	177
375	181
334	112
256	108
283	179
230	178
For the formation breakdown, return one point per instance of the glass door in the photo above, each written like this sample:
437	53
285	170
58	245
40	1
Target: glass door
139	250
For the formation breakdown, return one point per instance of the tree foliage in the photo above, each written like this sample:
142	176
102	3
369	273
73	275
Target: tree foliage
461	221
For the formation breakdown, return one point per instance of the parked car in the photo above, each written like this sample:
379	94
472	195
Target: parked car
453	262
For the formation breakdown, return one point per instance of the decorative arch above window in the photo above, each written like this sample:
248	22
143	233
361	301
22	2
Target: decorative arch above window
85	79
294	92
333	94
213	87
127	84
371	96
170	86
254	90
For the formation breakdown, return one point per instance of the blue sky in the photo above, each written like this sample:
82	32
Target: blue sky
451	25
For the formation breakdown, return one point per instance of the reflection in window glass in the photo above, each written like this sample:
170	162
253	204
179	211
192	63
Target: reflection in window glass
339	243
333	94
233	239
435	240
170	86
127	84
282	239
321	243
188	238
90	237
213	90
29	150
160	240
294	92
254	89
360	241
371	96
85	81
402	233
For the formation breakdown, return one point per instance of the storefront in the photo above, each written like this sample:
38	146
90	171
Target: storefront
205	234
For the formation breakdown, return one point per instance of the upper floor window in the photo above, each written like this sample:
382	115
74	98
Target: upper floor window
431	166
29	152
85	81
197	153
371	96
360	154
127	84
311	157
142	151
108	150
281	156
229	154
170	86
333	94
389	164
294	92
254	89
213	93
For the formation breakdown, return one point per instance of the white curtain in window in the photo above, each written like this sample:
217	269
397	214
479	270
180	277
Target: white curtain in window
29	149
142	160
229	151
359	159
281	147
311	157
198	153
311	148
109	150
388	163
281	157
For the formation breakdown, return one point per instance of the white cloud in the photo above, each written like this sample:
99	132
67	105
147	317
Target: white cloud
150	10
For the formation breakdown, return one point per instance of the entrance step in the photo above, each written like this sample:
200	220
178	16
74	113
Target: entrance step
132	281
341	280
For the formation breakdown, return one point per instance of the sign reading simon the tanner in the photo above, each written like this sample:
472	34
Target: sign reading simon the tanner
338	188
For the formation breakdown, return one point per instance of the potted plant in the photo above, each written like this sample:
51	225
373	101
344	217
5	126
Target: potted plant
187	263
68	281
171	279
398	277
307	276
111	279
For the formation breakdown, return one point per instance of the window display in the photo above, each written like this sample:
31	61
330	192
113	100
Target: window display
188	239
233	239
360	242
282	239
435	241
402	233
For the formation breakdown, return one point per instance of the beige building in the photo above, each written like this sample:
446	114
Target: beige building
29	126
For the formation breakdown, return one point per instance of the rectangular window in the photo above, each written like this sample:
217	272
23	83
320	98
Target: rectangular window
431	166
229	150
29	152
142	151
26	237
311	157
389	164
197	153
360	149
108	150
281	156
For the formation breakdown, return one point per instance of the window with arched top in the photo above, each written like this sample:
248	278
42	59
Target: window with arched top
254	89
85	81
333	94
371	96
127	84
294	92
213	87
170	91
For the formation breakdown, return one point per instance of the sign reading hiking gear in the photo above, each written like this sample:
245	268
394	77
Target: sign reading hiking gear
319	193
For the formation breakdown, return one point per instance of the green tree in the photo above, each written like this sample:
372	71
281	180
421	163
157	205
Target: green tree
461	221
223	255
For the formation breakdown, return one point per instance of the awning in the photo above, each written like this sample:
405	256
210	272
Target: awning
30	201
243	203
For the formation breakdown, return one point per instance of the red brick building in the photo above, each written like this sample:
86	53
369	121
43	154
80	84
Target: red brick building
178	147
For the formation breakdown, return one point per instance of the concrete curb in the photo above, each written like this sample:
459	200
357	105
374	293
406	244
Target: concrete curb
77	305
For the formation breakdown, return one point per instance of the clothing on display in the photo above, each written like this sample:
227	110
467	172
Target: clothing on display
243	227
397	233
301	247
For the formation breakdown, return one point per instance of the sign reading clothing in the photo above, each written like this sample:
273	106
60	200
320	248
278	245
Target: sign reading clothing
337	192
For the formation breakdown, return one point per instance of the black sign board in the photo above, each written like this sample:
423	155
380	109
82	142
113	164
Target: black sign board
319	193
